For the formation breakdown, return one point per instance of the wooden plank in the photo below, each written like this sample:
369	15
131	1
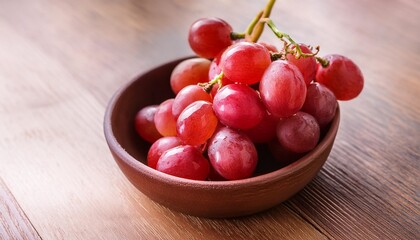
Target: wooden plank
14	224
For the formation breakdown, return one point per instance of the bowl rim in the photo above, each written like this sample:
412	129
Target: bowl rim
138	166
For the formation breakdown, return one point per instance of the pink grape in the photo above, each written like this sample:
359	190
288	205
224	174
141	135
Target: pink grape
188	95
189	72
232	154
159	147
184	161
245	62
238	106
144	123
164	120
321	103
209	36
282	89
298	133
197	123
342	76
307	66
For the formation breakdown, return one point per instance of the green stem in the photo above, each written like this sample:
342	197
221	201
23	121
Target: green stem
259	27
254	22
324	62
282	35
236	35
209	85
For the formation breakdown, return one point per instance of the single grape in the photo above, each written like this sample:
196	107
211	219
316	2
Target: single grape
144	123
232	154
164	120
189	72
306	65
197	123
188	95
282	89
184	161
159	147
342	76
321	103
209	36
238	106
245	62
265	131
298	133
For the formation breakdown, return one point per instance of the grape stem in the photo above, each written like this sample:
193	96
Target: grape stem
236	35
209	85
297	51
255	29
324	62
251	26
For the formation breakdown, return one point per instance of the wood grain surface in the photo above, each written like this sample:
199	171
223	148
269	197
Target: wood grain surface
61	61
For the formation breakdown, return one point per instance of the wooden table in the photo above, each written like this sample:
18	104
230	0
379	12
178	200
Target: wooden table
61	61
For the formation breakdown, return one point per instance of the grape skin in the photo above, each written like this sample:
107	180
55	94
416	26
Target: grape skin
188	95
159	147
164	120
189	72
298	133
144	123
209	36
197	123
306	65
238	106
282	89
321	103
232	154
245	62
342	76
184	161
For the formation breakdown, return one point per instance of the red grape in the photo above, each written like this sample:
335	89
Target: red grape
189	72
245	62
265	131
188	95
282	89
232	154
184	161
307	66
197	123
209	36
238	106
164	120
159	147
298	133
144	123
342	76
321	103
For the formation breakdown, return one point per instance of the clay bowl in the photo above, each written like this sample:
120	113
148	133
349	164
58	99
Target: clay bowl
213	199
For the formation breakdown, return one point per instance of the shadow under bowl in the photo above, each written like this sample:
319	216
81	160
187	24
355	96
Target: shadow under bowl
213	199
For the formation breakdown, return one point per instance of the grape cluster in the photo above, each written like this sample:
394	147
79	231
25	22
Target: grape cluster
239	93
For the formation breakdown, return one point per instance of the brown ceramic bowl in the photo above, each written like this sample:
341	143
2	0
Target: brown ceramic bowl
198	198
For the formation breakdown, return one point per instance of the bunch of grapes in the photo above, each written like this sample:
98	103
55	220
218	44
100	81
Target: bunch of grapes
239	93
